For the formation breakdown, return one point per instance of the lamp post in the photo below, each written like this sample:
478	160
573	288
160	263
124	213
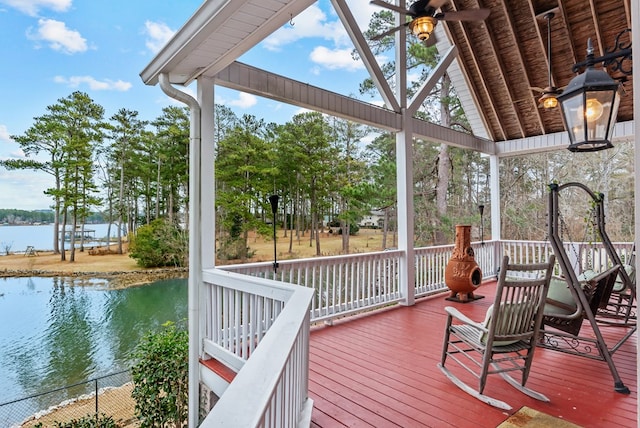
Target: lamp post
481	209
590	101
273	200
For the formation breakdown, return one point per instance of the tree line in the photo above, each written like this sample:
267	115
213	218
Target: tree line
14	216
134	171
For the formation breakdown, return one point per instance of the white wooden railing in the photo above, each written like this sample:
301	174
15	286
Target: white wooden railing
583	255
260	327
432	261
344	285
349	284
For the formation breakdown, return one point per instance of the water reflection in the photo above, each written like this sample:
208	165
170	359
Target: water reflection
54	332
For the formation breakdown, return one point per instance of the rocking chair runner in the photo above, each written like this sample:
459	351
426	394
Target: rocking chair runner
506	341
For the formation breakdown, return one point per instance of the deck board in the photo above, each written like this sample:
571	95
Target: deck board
379	370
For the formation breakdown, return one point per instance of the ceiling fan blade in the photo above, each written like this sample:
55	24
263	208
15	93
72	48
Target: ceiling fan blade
464	15
388	32
547	90
436	4
389	6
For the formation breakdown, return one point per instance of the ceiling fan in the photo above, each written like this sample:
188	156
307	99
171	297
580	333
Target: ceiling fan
424	17
549	98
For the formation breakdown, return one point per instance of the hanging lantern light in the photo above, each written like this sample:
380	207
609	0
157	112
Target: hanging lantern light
590	108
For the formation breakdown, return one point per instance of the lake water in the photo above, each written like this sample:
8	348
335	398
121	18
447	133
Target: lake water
41	237
56	332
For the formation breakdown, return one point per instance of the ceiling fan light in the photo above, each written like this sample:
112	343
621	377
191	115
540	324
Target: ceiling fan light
548	100
422	27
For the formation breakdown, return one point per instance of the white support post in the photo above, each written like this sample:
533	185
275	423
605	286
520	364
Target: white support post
404	178
206	98
205	229
494	190
404	173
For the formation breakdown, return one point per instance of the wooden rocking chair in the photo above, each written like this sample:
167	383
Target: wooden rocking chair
506	341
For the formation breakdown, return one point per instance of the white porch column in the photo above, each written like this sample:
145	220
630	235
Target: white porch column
205	230
206	98
404	179
404	172
635	42
494	190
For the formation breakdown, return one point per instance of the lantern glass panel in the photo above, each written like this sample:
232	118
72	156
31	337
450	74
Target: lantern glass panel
574	116
597	112
614	110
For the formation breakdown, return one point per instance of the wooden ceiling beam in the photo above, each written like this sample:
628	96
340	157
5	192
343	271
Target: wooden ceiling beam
478	70
524	66
516	41
567	26
596	27
627	12
501	67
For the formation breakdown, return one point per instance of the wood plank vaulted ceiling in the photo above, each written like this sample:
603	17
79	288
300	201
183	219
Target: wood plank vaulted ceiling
507	54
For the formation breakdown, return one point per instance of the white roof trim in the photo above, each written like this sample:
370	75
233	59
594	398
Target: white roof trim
220	31
624	131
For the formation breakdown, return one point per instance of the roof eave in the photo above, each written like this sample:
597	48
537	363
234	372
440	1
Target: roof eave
201	26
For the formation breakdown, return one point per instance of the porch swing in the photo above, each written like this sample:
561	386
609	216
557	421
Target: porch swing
586	295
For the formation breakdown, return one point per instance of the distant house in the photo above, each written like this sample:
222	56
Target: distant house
374	219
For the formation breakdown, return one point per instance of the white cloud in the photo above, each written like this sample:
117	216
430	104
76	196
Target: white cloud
310	23
335	59
18	154
158	34
362	11
302	110
94	84
4	135
58	36
32	7
313	22
24	189
244	100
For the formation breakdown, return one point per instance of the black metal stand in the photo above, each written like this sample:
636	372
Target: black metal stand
273	200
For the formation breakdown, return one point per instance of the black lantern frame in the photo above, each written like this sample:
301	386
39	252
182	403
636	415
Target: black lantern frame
589	106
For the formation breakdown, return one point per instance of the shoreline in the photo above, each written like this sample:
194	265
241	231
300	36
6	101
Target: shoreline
117	279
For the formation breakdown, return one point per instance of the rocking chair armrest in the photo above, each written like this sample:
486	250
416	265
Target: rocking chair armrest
453	312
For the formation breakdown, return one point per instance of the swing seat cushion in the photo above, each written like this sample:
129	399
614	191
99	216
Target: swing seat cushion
560	301
619	285
587	275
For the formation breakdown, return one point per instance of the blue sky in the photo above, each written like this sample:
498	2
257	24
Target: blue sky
51	48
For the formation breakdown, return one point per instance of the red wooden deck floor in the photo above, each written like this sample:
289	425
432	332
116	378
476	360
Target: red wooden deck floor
379	370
